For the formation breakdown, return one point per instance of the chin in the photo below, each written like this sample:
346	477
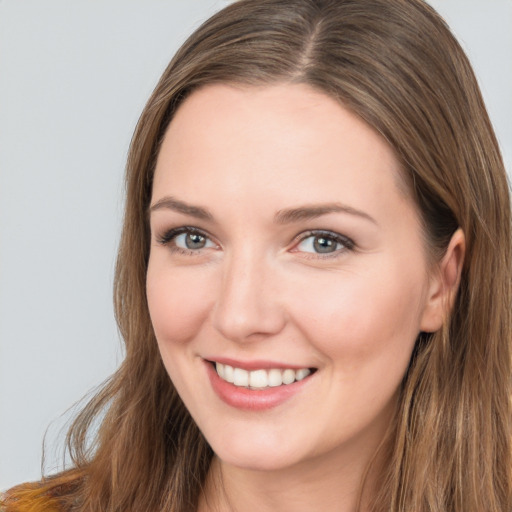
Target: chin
255	456
257	462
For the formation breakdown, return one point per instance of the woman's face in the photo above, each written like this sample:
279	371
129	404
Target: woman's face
285	252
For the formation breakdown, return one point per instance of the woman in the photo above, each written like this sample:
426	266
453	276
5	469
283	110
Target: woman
313	281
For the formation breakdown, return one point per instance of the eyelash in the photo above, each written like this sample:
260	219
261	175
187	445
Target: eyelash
346	243
169	237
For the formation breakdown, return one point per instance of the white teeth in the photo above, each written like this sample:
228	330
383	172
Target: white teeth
228	373
288	376
220	370
302	373
259	379
275	377
240	377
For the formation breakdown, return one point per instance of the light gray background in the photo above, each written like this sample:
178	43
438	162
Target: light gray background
74	76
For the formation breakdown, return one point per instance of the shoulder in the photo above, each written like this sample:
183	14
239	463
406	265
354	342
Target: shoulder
55	494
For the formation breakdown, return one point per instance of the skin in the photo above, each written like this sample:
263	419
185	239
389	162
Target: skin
258	290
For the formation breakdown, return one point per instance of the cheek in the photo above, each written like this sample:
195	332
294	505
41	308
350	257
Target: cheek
358	317
178	302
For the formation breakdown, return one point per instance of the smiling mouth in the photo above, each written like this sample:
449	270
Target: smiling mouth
260	379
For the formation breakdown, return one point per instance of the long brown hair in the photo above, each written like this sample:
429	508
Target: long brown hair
396	65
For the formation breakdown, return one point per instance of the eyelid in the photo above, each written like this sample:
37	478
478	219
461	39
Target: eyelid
347	243
167	237
170	234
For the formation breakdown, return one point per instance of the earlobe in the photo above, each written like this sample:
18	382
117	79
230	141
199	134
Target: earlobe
444	284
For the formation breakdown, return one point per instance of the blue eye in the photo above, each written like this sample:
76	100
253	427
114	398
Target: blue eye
324	243
192	241
186	239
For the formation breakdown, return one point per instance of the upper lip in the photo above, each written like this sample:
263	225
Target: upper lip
255	364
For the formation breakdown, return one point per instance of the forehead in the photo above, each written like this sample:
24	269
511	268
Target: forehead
287	141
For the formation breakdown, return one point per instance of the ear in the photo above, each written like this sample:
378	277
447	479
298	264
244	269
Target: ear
444	284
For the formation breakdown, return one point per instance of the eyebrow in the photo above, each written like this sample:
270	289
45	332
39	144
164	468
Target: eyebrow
170	203
287	216
314	211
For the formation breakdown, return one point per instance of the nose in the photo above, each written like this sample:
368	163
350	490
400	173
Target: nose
248	306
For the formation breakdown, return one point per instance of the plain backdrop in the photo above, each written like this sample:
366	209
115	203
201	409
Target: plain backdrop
74	77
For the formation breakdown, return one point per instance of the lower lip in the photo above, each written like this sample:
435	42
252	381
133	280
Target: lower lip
252	399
